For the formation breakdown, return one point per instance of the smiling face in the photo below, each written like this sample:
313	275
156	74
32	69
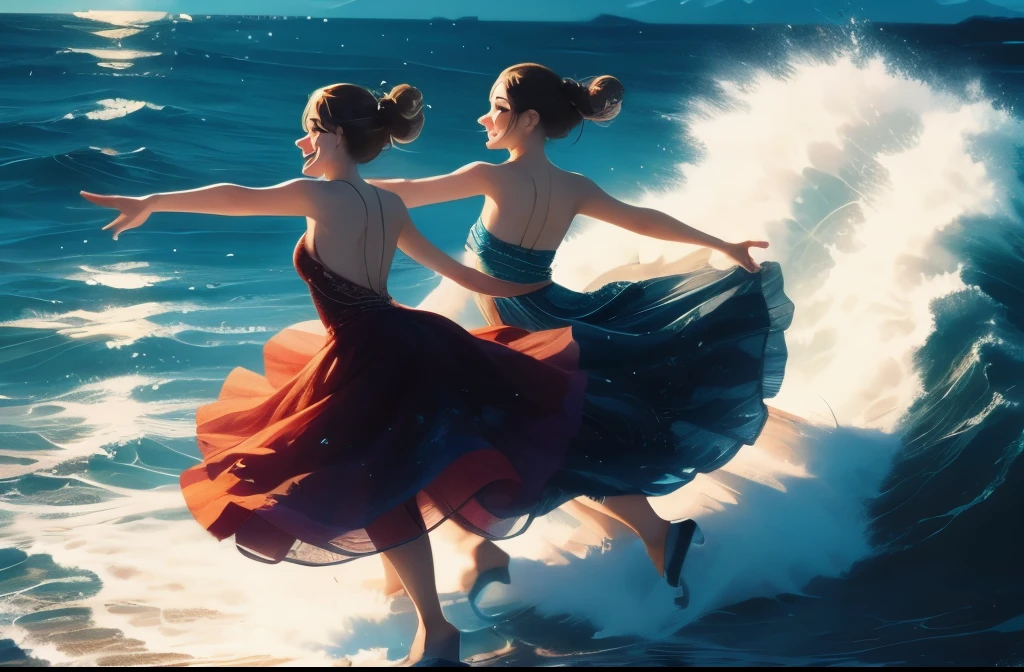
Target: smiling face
321	148
506	128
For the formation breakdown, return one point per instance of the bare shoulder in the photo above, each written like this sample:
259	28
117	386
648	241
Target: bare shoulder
322	190
302	184
394	209
482	167
331	197
577	180
581	187
483	172
392	202
315	195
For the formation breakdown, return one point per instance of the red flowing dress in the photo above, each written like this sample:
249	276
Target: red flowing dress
364	438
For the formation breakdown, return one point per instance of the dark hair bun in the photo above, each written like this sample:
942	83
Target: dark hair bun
401	112
605	96
601	100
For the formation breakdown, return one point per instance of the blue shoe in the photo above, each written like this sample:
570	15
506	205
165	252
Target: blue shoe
484	579
677	544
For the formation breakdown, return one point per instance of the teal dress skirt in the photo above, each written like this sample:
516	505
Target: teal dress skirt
677	367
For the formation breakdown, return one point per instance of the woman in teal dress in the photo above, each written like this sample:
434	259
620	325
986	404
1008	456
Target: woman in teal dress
682	363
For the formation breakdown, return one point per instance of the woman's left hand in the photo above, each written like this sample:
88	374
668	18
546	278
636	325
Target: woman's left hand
740	252
134	210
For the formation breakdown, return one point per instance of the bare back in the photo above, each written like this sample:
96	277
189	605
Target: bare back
355	232
532	205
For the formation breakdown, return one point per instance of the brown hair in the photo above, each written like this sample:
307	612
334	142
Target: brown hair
368	124
561	103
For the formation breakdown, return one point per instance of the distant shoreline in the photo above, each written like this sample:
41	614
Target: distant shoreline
607	20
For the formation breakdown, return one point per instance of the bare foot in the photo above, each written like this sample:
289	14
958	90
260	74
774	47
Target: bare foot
442	641
486	555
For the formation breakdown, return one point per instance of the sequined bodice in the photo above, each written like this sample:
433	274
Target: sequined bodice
337	299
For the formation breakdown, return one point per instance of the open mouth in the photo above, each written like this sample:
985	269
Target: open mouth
307	157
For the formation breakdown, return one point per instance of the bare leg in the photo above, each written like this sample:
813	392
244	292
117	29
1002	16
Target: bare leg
485	553
636	512
413	562
392	584
435	636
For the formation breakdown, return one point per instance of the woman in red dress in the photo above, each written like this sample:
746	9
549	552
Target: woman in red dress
360	441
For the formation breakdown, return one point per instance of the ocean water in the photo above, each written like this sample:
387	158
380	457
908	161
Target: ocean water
882	162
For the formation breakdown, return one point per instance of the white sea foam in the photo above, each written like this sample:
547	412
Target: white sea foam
118	276
112	54
786	162
113	108
124	325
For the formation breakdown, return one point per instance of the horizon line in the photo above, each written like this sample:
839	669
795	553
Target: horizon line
476	19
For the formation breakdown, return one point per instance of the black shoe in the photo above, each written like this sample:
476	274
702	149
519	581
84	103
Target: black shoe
680	537
484	579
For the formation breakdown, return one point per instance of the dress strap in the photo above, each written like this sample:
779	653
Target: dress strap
547	211
383	241
366	237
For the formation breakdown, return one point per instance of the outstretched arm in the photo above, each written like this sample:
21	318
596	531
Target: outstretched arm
470	180
293	198
422	251
594	202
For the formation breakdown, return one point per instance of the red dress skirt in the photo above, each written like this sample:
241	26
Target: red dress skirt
364	438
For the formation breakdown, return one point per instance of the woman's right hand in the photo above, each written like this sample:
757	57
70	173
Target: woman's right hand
134	210
740	253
